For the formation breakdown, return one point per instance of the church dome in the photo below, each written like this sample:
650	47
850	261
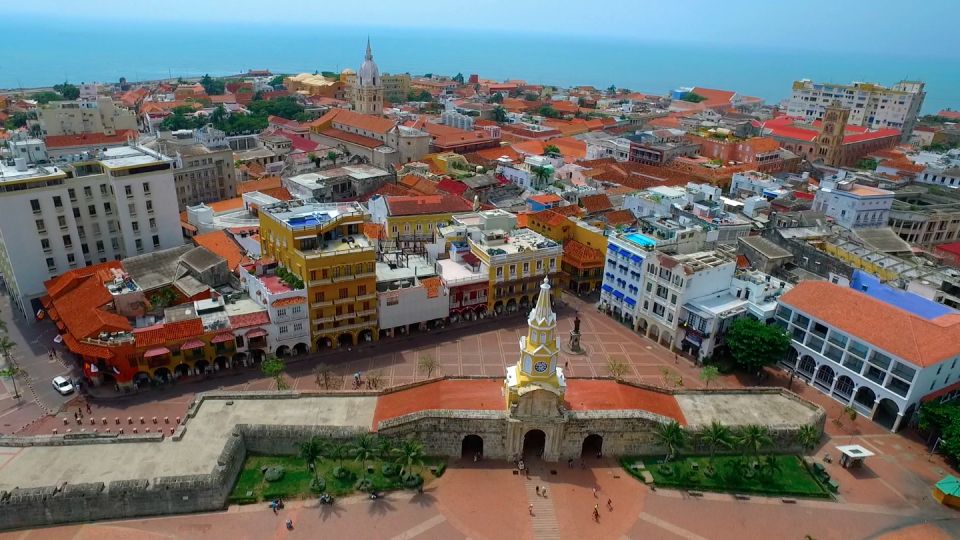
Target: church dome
369	74
348	71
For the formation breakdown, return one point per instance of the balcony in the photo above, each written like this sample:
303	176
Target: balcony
325	303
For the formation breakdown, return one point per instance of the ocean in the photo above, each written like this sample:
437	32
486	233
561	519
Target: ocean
41	53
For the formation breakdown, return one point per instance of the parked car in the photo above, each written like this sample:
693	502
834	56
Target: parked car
63	385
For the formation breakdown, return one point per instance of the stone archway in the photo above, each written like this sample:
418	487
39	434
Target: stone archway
365	336
162	374
345	340
806	367
282	351
592	446
534	444
864	399
324	343
824	378
887	413
844	388
471	446
181	370
654	333
221	362
301	348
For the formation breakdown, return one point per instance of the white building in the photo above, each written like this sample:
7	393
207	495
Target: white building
852	205
878	350
941	169
526	174
78	117
54	219
288	332
410	295
871	105
744	184
704	320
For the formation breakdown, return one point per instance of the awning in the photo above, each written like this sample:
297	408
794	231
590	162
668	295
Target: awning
607	288
222	338
630	301
637	258
192	344
156	351
618	294
613	248
693	338
256	332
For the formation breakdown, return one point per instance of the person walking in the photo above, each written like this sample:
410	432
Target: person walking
89	410
538	491
530	509
594	493
596	513
610	505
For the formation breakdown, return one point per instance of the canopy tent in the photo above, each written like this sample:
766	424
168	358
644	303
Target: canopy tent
947	491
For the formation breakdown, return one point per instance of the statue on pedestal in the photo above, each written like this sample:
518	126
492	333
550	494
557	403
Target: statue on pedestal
575	336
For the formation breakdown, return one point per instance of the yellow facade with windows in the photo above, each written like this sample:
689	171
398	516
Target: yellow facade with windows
323	244
517	261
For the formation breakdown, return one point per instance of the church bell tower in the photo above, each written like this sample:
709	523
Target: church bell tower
537	367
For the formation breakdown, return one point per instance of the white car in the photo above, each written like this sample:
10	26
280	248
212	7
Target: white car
63	385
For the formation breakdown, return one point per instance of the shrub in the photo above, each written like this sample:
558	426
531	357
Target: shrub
341	473
411	480
243	499
438	469
364	484
273	474
390	469
318	485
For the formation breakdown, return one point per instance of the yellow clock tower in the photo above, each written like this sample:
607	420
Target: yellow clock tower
539	352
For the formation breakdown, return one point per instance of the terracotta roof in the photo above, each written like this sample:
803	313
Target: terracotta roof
373	230
454	187
279	193
596	203
226	205
250	319
433	285
470	394
78	297
426	204
714	97
90	139
894	330
599	395
620	217
222	244
267	182
366	122
548	217
418	184
360	140
387	189
571	210
546	198
492	154
582	255
523	220
292	301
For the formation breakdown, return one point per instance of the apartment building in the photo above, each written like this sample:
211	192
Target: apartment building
203	165
102	115
410	220
54	219
323	245
879	350
852	205
926	216
871	105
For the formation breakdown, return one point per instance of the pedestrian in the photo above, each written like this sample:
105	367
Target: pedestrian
594	493
543	492
596	513
289	524
538	491
675	359
566	365
89	410
610	504
80	412
570	463
530	509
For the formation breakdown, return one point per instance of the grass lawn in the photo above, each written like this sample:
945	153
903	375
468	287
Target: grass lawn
252	487
793	478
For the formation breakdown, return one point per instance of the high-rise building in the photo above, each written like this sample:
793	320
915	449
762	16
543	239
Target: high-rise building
871	105
322	245
101	115
54	219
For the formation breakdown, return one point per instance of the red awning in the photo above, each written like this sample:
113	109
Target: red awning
156	351
222	338
471	259
256	332
192	344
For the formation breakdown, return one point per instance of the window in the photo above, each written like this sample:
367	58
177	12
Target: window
67	242
57	201
526	267
361	290
146	188
51	264
673	299
76	212
344	292
41	226
71	259
128	190
103	189
99	246
296	309
35	205
149	206
72	194
499	271
92	210
45	244
156	241
139	244
283	329
281	312
297	327
87	192
659	310
62	221
115	244
132	208
135	225
153	224
107	209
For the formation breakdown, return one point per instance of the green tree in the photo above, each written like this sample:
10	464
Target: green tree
364	449
337	450
273	367
753	439
716	436
67	90
808	437
709	374
213	87
611	89
541	174
428	364
284	107
754	344
277	80
770	466
499	114
868	164
692	97
672	436
548	111
332	156
46	97
551	149
458	78
530	96
12	369
409	455
384	447
310	451
845	411
935	416
495	97
17	120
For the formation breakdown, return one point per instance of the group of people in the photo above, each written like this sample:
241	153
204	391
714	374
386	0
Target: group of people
78	416
277	504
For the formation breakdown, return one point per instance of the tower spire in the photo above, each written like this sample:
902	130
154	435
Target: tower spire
542	313
369	55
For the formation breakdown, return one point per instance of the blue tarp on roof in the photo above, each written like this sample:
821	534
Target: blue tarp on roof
907	301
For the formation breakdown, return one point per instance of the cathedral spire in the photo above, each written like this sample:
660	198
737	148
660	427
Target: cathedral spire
369	55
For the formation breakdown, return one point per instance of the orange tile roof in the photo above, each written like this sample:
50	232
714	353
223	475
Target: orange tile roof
620	217
227	205
346	136
523	220
548	217
78	297
183	329
90	139
491	154
546	198
426	204
433	285
571	210
714	97
366	122
598	395
581	255
468	394
222	244
267	182
373	230
280	193
894	330
387	189
292	301
596	203
419	184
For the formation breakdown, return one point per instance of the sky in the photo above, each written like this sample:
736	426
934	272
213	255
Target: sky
878	26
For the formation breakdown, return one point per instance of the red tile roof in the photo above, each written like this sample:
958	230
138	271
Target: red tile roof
250	319
620	217
426	204
78	298
419	184
548	217
267	182
596	203
471	394
387	189
365	122
581	255
292	301
598	395
90	139
360	140
454	187
894	330
547	198
222	244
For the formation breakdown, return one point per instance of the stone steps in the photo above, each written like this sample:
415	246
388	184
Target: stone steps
544	516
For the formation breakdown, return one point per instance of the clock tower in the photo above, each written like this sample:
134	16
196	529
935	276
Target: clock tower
539	352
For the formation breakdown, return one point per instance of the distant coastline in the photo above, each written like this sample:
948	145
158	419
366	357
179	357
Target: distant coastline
151	52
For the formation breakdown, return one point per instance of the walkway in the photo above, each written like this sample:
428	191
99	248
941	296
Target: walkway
544	517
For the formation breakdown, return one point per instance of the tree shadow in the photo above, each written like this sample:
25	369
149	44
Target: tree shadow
328	511
380	506
425	499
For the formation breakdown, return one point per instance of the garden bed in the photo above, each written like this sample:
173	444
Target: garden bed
731	474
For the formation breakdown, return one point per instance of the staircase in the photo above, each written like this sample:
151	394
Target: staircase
544	517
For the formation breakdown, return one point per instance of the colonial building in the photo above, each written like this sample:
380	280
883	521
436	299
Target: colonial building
537	367
367	94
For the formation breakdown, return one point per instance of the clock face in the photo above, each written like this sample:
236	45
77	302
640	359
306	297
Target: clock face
540	366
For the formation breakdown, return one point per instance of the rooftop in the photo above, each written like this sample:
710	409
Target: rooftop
297	214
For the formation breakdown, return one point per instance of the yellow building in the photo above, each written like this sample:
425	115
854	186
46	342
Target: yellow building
323	244
537	367
412	219
584	249
518	260
314	85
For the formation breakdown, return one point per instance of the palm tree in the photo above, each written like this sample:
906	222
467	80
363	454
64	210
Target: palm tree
808	437
847	411
499	114
332	156
672	436
338	450
384	447
409	454
542	174
12	370
754	439
770	465
6	344
310	452
716	436
363	449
